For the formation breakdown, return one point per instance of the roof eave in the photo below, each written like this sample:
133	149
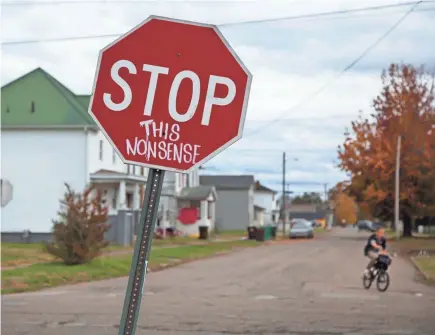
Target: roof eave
50	127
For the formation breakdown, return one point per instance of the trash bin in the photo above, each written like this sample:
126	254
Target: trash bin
273	232
260	234
252	233
267	232
203	232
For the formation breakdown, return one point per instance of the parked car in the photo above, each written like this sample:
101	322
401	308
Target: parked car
364	225
301	229
375	225
304	221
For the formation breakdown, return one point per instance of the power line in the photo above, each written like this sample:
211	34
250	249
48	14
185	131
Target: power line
268	20
340	74
104	2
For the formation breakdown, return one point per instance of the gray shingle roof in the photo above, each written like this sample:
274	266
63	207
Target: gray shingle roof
197	193
241	182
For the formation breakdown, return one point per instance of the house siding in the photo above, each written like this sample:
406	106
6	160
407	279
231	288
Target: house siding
38	163
266	200
107	162
234	209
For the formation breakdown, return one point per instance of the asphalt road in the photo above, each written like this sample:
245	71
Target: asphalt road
307	288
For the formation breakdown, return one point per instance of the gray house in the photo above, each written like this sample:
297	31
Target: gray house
235	200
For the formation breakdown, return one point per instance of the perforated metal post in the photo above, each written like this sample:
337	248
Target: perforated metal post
141	253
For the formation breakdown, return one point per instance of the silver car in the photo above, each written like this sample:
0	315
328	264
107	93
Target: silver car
301	229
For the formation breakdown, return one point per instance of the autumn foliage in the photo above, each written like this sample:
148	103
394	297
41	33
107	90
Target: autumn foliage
345	209
78	233
405	107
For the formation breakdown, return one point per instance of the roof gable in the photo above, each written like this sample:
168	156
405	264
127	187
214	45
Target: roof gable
241	182
197	193
261	188
38	99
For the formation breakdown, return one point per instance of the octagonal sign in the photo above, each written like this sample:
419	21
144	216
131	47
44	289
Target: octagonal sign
170	94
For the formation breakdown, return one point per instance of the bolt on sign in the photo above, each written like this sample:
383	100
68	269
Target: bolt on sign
168	95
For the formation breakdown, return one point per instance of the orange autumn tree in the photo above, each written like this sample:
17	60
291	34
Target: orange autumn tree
404	107
345	209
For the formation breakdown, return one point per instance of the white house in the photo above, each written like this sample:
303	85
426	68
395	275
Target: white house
266	198
48	139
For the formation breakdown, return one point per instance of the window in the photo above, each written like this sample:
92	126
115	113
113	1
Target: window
128	168
101	150
142	171
113	156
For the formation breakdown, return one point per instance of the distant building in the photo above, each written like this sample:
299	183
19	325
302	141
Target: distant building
306	211
235	200
266	198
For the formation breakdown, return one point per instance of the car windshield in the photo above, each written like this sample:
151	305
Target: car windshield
300	225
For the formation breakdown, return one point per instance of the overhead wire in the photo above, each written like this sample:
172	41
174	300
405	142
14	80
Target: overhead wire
414	5
222	25
310	97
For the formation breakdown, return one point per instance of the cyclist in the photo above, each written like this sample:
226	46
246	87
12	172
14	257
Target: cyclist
376	245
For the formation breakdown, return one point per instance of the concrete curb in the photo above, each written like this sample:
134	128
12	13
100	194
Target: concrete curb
423	273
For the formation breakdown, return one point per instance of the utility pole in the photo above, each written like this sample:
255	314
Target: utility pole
397	191
326	192
284	196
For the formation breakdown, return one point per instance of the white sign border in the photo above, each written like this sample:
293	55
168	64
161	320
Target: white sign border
244	107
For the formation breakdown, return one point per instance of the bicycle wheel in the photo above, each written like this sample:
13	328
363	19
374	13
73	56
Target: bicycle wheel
367	281
383	281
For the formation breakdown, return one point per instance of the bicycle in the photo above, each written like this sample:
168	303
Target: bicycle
379	272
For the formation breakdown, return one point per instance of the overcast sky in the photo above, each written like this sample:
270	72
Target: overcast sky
289	59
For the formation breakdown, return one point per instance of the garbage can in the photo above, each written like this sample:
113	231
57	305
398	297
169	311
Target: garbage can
260	234
273	233
252	233
267	232
203	232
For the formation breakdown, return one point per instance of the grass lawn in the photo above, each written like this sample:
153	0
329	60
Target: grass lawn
15	254
43	275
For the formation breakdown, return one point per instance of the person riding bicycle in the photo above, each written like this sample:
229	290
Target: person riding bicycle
376	245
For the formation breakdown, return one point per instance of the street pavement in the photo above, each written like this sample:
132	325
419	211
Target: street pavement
296	288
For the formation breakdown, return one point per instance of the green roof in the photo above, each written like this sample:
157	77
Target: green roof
38	99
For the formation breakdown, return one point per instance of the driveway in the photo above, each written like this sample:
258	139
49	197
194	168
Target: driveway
308	287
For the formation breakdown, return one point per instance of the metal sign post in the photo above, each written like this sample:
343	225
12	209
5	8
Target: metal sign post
141	253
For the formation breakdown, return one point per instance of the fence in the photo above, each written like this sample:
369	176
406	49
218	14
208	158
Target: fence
122	231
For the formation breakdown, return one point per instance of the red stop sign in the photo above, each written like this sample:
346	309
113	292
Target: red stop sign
170	94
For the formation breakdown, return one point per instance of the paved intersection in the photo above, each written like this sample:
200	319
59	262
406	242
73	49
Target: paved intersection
300	288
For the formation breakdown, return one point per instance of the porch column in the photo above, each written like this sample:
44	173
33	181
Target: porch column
204	207
120	204
213	211
136	197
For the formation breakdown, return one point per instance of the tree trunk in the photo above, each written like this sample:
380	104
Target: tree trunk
407	226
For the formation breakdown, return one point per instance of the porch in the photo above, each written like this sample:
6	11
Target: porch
121	191
196	207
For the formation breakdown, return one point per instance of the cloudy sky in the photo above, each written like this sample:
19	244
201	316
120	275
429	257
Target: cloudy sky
290	59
